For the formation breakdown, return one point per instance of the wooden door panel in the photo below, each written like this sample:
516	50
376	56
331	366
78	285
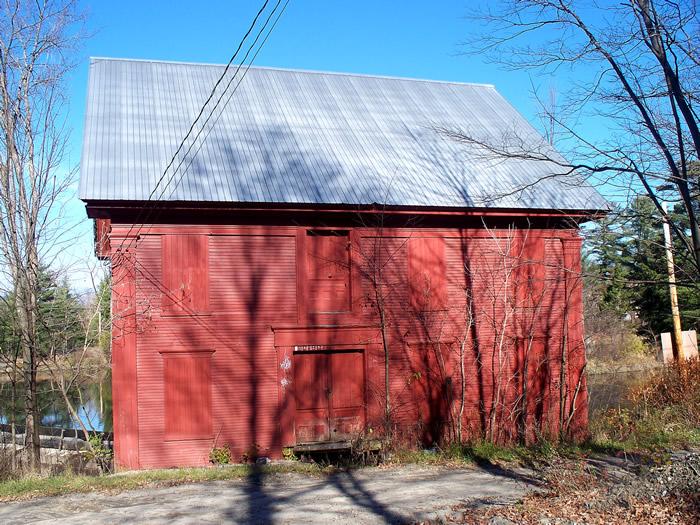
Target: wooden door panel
347	379
347	406
311	389
187	395
328	272
329	390
330	296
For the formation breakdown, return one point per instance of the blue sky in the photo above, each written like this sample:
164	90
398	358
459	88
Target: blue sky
411	38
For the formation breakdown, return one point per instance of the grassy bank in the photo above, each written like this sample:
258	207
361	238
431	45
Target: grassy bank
663	414
37	486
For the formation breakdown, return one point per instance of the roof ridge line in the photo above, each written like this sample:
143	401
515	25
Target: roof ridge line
293	70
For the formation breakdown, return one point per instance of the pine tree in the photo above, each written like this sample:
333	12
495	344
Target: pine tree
627	257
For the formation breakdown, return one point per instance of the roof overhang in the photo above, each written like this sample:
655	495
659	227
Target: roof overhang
115	209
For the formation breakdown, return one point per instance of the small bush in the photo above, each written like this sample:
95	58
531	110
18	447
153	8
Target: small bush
634	346
99	453
677	386
288	454
253	452
220	455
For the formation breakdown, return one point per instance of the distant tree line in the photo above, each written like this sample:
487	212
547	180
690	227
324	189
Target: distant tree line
626	269
65	321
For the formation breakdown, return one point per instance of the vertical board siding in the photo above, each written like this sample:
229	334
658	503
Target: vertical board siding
502	297
426	273
328	272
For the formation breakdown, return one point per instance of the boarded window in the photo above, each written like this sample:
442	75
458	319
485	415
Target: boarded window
328	271
185	273
187	385
426	270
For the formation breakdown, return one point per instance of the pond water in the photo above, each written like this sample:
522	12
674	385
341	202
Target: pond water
92	401
613	389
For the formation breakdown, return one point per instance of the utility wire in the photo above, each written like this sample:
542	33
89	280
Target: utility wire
245	72
191	158
199	116
211	114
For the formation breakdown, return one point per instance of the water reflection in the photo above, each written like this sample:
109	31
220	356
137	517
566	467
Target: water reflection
92	401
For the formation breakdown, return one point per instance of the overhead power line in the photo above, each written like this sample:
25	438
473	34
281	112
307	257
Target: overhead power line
190	158
148	210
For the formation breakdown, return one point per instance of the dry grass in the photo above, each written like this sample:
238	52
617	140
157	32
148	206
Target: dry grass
665	414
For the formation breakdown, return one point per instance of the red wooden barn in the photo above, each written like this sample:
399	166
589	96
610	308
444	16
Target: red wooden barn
321	263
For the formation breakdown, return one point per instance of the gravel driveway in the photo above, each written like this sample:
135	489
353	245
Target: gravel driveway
373	495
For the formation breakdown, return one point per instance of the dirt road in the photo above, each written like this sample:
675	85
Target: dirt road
374	495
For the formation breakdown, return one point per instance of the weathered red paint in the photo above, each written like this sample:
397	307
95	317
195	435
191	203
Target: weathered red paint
328	271
330	394
426	273
185	273
187	395
102	247
265	336
124	365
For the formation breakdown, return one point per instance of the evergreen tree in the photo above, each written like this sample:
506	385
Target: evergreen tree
59	320
627	254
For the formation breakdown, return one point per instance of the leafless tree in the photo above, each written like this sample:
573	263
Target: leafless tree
375	260
71	364
37	41
495	279
632	69
464	341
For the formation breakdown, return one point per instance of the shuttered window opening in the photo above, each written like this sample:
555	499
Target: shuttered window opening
185	273
187	390
328	271
426	272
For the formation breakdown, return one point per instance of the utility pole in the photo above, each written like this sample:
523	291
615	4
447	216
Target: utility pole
677	333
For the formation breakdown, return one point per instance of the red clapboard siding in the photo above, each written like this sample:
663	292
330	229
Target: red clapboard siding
253	278
219	365
251	284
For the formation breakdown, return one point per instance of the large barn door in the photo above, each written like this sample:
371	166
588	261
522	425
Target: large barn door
329	389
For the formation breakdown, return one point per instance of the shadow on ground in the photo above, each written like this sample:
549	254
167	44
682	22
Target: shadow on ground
357	494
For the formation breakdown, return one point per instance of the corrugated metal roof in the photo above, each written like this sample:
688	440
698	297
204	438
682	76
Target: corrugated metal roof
289	136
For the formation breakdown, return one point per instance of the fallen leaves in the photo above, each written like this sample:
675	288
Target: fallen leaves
604	491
